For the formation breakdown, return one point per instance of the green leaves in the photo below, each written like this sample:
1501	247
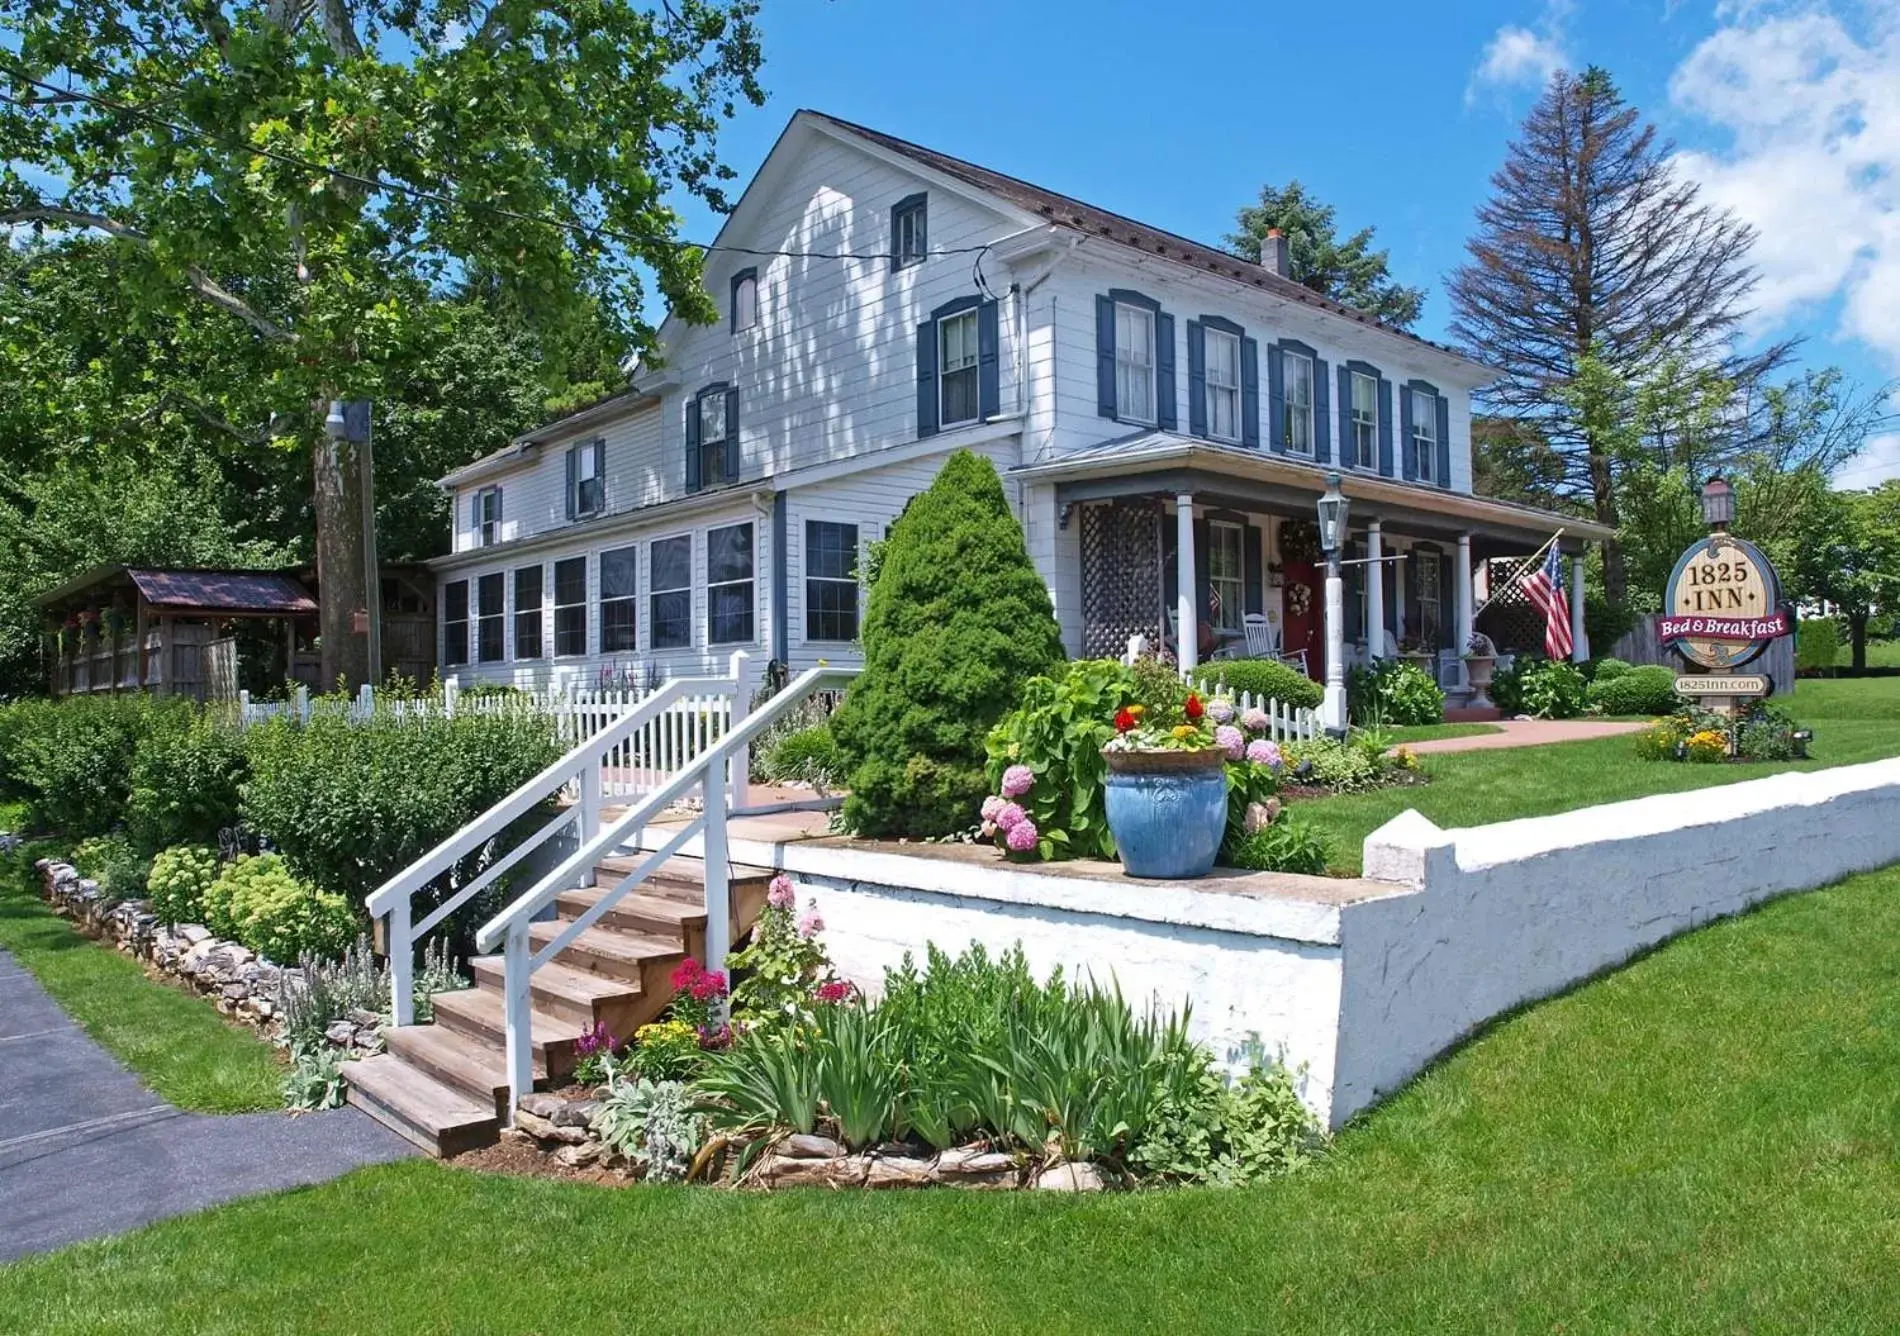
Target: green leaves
1058	732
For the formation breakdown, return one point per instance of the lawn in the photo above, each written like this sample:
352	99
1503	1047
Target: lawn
177	1043
1853	720
1702	1141
1431	732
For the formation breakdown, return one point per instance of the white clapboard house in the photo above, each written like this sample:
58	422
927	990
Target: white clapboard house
1158	410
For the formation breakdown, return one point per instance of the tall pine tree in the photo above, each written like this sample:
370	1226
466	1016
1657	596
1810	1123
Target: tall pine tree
1592	248
1349	271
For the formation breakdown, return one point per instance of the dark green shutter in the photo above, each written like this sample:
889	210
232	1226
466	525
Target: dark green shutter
927	379
1348	443
573	476
1322	413
1105	357
600	474
1385	426
1250	394
1443	405
989	392
1408	443
475	515
692	445
1276	400
734	456
1197	378
1165	417
1255	567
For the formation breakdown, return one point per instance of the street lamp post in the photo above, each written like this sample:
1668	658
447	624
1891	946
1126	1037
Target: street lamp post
1333	508
1718	504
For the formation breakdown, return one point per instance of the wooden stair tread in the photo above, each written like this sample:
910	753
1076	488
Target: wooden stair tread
662	907
581	986
483	1007
435	1116
630	948
681	869
474	1066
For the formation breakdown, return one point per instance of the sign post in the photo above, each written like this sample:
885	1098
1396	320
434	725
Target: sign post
1721	609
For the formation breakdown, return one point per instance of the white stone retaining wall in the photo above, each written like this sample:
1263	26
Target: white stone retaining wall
1363	994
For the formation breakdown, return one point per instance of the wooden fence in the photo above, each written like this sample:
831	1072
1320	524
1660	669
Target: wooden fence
1641	645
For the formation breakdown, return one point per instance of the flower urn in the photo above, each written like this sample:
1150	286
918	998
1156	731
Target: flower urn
1478	670
1167	810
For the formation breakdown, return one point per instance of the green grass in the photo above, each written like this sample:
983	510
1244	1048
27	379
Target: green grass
1853	720
12	817
1880	653
1701	1142
177	1043
1430	732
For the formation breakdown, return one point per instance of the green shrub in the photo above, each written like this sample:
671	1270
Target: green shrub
71	759
808	756
958	620
1265	678
663	1051
1608	670
1207	1130
1395	693
1817	646
1058	732
258	902
1541	688
179	879
315	1079
655	1124
1647	690
112	861
1287	845
349	805
1330	764
1766	733
185	780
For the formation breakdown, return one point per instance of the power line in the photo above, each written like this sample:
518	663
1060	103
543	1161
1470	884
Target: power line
384	185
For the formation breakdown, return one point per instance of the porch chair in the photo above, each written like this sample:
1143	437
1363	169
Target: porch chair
1263	641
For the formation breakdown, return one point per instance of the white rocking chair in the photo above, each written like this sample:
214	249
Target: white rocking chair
1263	641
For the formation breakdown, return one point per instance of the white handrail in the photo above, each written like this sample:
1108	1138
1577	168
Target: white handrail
509	928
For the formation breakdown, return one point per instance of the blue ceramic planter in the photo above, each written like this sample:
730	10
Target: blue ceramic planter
1167	811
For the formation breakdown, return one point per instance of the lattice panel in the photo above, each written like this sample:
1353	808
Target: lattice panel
1513	622
1121	576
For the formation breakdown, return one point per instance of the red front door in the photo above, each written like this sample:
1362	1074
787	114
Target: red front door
1300	599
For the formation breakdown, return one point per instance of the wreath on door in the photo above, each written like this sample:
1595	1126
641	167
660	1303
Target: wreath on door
1299	600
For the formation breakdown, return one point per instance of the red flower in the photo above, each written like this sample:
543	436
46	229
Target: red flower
1193	709
1123	721
707	986
685	973
836	991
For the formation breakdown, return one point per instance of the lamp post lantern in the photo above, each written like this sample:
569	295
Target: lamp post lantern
1333	509
1718	504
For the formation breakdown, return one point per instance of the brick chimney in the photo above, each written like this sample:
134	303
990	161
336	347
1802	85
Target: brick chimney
1273	252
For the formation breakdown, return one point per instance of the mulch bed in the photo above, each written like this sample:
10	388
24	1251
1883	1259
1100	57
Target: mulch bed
517	1156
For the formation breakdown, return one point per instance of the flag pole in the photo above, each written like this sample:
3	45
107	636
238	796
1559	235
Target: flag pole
1517	577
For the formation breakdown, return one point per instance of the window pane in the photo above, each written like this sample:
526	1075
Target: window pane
570	606
729	554
712	417
617	574
831	550
673	563
528	594
673	620
731	613
455	601
745	303
490	592
491	646
570	580
960	396
831	610
617	632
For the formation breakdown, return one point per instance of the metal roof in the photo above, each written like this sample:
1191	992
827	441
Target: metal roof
270	593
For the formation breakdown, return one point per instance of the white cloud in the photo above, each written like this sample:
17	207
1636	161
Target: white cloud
1521	57
1811	108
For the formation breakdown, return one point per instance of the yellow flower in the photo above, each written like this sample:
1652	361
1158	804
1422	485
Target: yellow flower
1137	710
1185	730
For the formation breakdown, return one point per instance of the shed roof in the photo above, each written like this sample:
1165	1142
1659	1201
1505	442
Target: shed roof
235	592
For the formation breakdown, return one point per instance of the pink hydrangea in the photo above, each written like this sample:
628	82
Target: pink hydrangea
991	806
989	829
1221	710
1018	780
810	923
1262	752
1009	816
1230	740
1254	720
1022	837
780	894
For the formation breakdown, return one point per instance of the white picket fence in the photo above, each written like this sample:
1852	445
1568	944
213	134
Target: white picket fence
1285	723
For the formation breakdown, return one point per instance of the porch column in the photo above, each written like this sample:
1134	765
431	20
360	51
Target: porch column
1466	602
1579	638
1375	591
1187	648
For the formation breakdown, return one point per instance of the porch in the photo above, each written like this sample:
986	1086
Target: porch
1185	543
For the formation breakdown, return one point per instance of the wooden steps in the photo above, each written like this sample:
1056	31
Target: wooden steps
444	1085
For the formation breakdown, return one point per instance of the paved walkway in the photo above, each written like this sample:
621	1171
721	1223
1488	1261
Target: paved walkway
1531	733
86	1149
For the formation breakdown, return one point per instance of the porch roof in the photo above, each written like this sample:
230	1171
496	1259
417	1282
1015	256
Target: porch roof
1163	462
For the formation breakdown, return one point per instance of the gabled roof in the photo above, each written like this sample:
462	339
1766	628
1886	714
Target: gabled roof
1073	214
269	593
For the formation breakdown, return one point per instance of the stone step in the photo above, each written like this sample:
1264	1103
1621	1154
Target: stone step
437	1117
471	1065
477	1012
613	952
561	990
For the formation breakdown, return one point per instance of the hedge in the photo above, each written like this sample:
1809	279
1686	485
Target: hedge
1647	690
1267	678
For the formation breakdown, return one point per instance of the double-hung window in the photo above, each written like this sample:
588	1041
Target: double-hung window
729	585
570	608
1430	587
1297	404
670	573
491	618
713	426
1364	443
831	581
745	300
528	616
1134	363
910	231
1425	434
455	623
617	597
1223	384
957	372
586	480
1226	573
488	516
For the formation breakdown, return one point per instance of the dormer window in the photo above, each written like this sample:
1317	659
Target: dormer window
910	231
586	480
745	300
488	517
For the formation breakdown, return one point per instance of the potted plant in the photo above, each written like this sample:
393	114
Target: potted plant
1166	789
1481	660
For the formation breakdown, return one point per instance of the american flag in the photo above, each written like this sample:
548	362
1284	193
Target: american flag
1545	586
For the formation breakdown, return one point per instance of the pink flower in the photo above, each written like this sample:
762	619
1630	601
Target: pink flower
1230	740
1254	720
780	894
991	806
1221	710
1009	816
989	829
1018	780
810	923
1262	752
1022	837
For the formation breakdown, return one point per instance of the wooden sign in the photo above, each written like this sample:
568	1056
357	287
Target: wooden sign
1716	684
1723	604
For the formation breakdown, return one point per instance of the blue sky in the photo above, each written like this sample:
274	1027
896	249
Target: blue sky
1788	113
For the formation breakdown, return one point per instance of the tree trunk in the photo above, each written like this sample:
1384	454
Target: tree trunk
341	563
1603	488
1857	630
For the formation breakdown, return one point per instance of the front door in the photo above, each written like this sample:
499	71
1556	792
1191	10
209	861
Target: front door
1305	618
